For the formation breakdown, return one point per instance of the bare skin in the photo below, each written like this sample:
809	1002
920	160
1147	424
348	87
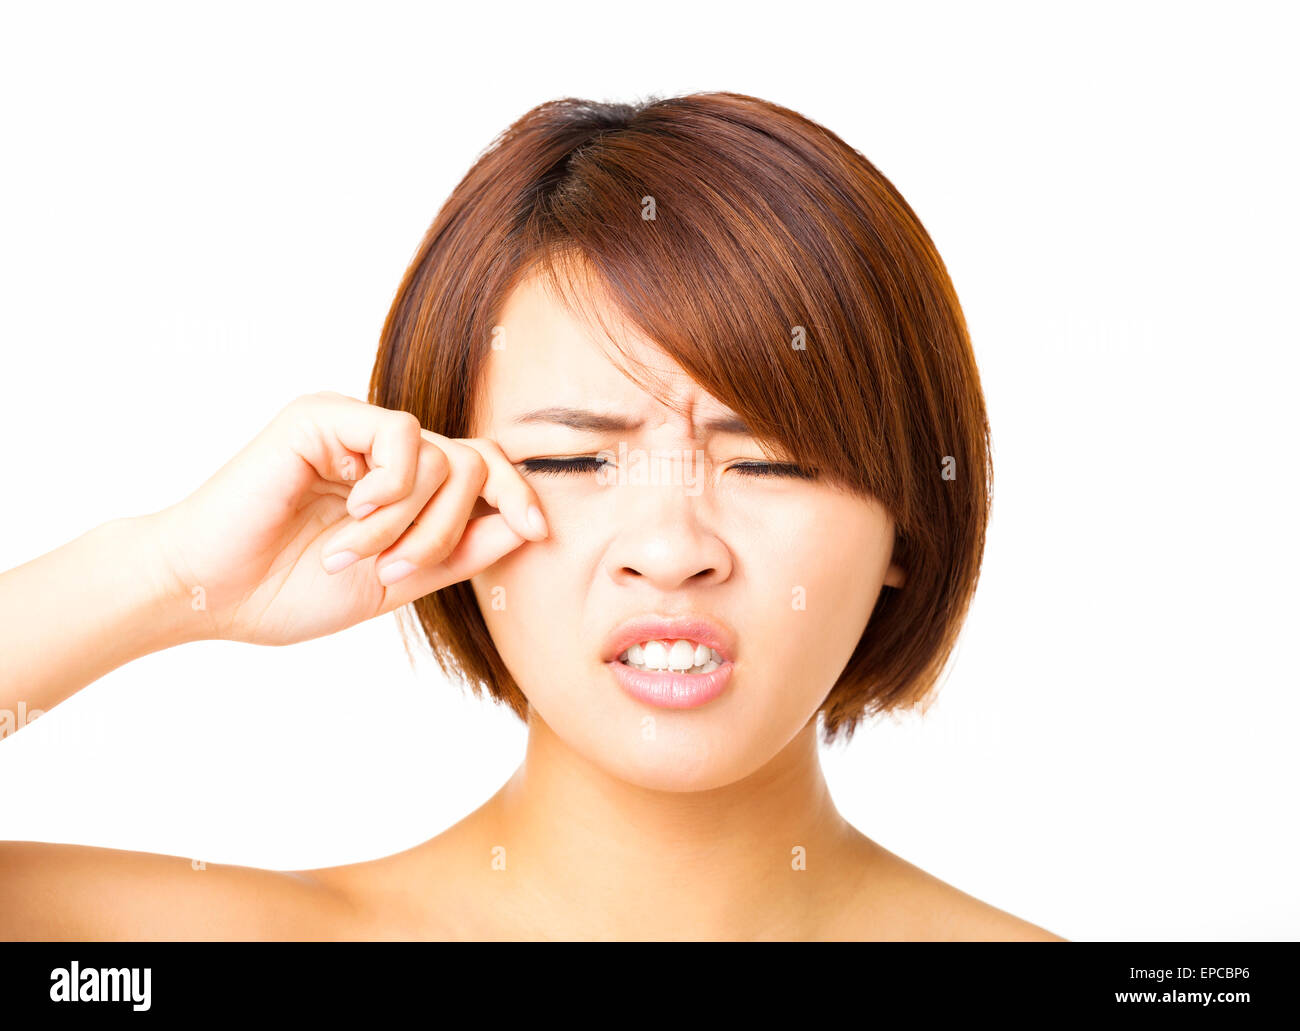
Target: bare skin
562	851
851	889
443	889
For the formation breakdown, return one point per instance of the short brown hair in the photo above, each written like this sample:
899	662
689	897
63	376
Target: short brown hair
785	275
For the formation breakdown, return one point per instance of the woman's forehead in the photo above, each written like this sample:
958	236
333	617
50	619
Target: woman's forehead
544	355
539	332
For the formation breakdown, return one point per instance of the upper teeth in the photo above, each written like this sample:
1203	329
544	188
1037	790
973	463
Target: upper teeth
679	655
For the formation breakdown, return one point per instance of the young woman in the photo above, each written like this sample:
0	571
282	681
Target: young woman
675	445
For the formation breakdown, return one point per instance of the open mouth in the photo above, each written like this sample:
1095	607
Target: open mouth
680	656
672	662
676	674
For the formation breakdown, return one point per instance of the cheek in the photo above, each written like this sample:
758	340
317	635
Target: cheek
819	583
540	577
529	602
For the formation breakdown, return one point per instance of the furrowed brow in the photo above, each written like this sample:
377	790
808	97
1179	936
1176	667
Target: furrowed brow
597	422
579	419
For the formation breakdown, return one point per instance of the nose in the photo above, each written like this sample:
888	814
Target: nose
664	541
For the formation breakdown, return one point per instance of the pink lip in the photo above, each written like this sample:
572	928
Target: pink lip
672	690
655	628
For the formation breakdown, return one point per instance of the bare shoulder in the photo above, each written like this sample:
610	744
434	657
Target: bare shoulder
382	896
58	892
897	900
430	891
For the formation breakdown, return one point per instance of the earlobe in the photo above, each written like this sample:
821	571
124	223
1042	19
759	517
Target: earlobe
895	576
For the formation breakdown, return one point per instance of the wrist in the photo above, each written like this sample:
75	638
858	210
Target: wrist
173	612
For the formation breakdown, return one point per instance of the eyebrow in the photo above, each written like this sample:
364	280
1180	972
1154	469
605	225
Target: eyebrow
596	422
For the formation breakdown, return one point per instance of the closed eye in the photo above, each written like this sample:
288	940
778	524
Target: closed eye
593	463
777	469
561	466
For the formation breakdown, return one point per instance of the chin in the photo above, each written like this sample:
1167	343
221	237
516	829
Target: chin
680	762
689	751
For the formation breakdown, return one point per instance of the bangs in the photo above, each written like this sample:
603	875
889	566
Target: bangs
750	300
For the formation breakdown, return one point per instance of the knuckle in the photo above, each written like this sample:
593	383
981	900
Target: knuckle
432	465
406	424
301	403
489	444
460	458
309	405
473	466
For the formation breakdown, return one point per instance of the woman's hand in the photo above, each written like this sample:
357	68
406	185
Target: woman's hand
339	511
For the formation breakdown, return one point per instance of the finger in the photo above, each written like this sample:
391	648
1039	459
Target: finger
361	538
389	441
348	467
485	541
436	530
506	490
336	467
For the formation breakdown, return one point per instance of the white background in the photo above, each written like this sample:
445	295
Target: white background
205	211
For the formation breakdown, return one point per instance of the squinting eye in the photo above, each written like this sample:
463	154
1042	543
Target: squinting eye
571	466
560	466
777	469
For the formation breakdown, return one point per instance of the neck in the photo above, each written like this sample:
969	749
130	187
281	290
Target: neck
591	855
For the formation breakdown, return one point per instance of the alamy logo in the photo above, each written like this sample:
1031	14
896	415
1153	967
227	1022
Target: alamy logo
107	984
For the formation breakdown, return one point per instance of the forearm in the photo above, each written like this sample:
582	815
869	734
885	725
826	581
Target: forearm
84	609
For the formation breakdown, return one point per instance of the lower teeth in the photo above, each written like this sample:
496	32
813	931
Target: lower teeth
708	667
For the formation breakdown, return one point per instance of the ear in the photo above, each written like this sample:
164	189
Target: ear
895	576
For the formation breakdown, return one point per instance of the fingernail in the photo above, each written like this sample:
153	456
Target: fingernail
339	560
395	571
364	510
535	521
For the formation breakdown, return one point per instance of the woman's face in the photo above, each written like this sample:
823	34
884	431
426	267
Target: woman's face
787	568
